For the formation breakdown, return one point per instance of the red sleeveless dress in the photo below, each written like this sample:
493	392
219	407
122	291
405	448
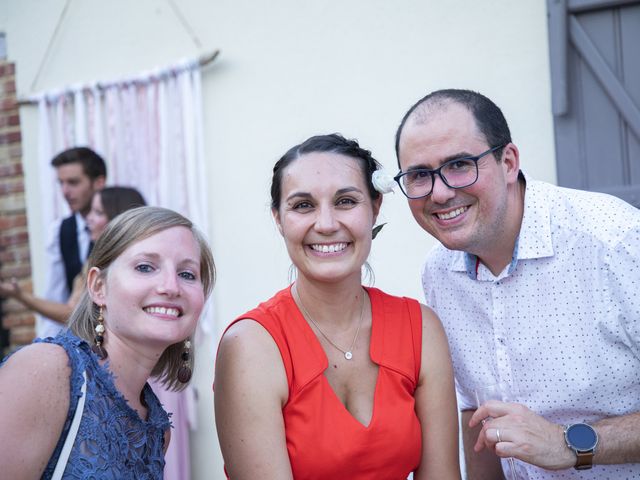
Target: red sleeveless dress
324	440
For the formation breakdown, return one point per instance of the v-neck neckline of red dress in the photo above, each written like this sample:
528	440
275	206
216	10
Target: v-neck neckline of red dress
322	355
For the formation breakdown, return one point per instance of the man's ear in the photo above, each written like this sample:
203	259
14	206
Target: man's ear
99	182
96	286
511	162
276	218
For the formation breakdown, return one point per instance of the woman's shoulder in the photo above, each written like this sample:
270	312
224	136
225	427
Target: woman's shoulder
256	339
282	301
38	377
246	335
41	359
264	323
42	369
34	394
248	356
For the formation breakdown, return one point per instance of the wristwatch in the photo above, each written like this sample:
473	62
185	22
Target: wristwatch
582	439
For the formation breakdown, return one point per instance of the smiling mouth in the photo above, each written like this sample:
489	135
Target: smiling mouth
328	248
174	312
452	214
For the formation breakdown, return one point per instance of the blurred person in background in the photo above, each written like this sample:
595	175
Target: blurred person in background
106	204
81	172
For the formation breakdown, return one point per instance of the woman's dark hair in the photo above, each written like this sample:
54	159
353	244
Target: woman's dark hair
116	200
333	143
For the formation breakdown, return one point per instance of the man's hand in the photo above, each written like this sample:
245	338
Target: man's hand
523	435
10	289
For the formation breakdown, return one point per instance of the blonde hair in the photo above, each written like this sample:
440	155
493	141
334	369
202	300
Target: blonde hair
126	229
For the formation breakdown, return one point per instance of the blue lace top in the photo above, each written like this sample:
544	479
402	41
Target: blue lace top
113	442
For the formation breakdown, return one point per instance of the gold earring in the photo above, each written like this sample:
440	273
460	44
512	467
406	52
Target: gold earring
98	340
184	372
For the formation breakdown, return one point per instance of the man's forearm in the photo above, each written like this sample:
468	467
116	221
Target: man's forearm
618	440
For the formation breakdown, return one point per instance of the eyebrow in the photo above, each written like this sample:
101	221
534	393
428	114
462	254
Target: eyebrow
455	156
298	194
157	256
339	192
342	191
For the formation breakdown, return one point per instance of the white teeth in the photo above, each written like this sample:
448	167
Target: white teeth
451	214
163	311
334	247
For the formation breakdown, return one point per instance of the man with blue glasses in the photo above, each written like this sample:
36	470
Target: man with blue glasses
538	288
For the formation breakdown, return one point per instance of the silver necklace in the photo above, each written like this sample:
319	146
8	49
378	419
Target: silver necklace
348	354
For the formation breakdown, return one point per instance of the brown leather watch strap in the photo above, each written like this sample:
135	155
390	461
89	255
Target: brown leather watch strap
584	460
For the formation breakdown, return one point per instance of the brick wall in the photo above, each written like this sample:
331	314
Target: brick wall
14	237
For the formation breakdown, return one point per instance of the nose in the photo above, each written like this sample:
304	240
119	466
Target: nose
66	189
326	222
441	193
168	284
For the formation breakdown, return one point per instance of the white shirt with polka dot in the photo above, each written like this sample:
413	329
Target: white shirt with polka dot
560	326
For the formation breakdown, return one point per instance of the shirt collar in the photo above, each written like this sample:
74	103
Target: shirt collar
81	222
534	240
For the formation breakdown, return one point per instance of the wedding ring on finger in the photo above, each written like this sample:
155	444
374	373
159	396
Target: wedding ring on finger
498	435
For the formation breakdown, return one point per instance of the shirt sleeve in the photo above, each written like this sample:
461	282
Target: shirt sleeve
56	289
466	399
623	273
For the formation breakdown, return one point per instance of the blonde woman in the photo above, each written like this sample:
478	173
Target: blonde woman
143	301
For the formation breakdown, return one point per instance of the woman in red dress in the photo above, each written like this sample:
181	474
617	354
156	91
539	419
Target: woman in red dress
329	379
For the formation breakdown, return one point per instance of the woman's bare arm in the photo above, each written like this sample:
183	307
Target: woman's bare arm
54	310
436	404
250	390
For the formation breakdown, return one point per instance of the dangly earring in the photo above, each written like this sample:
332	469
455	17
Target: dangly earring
184	372
98	340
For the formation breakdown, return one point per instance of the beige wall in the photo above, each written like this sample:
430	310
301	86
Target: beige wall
290	69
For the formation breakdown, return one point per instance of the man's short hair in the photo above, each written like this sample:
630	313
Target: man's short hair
93	164
488	116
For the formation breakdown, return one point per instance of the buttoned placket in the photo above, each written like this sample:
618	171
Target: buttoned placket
501	326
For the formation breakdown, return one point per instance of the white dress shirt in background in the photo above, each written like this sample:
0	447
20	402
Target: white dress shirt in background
57	290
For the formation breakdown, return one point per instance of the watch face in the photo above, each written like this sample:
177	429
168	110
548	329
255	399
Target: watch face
582	436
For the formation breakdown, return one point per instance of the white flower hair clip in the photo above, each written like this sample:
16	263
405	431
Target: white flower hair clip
382	181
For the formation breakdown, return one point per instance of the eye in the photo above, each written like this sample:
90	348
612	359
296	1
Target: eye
187	275
417	176
144	268
460	164
303	205
346	202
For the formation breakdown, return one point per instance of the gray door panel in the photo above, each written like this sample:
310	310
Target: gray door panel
596	94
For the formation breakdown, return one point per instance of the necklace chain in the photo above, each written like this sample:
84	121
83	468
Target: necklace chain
348	354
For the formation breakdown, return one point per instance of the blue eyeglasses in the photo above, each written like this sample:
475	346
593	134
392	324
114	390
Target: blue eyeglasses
456	173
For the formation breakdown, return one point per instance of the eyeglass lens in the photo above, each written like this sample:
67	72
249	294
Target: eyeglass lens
455	173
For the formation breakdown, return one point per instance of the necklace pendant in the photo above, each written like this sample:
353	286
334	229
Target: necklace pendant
348	355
